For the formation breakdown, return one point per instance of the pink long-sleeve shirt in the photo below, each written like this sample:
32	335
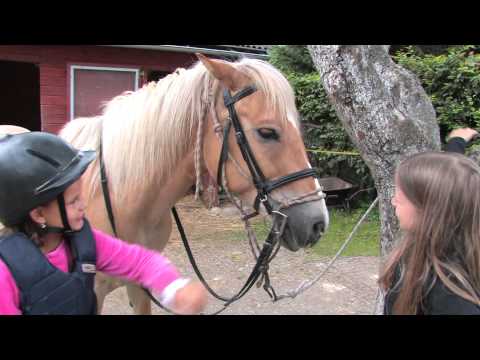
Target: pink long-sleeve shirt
114	257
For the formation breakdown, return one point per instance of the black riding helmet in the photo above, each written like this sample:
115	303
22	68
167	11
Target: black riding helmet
36	168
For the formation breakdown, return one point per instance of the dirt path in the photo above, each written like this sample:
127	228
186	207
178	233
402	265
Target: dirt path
349	287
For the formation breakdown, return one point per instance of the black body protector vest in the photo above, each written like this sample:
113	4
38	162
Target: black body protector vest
46	290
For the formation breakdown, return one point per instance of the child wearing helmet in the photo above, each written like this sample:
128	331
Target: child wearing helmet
49	254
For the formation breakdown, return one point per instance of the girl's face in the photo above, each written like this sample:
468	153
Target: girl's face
406	212
74	206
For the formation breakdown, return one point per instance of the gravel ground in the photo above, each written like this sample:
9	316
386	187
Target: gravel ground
349	287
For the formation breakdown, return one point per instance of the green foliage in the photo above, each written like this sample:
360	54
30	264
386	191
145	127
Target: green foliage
421	49
365	242
291	58
452	80
450	77
323	130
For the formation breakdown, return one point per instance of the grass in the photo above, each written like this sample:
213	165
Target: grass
364	243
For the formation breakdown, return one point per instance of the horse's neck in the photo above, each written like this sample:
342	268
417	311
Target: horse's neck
178	185
159	198
147	213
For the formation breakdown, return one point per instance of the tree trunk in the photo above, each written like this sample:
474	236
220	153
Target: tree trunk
385	111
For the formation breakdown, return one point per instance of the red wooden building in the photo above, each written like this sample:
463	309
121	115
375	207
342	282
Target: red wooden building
43	87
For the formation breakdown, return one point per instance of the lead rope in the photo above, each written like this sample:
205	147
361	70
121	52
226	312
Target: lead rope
300	199
261	264
308	284
248	228
238	204
250	232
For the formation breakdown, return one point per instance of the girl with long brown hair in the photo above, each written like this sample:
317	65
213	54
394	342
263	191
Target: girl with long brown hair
435	268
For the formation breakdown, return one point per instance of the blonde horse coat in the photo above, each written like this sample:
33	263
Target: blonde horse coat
152	156
11	129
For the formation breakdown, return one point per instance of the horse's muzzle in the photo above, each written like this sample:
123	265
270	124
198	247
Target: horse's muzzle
306	224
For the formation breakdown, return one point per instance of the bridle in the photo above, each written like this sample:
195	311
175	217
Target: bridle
264	189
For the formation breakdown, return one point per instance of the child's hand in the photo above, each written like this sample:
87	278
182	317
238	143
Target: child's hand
465	133
190	299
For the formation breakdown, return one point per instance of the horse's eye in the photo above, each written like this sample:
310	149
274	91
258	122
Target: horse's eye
268	134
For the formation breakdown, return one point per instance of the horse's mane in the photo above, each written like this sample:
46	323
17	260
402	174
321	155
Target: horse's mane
146	133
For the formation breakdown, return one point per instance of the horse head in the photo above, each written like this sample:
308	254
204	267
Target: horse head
263	102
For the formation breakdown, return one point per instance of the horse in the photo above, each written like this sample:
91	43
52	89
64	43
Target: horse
160	140
12	129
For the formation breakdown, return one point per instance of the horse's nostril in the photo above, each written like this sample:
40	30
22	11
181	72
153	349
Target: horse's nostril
319	228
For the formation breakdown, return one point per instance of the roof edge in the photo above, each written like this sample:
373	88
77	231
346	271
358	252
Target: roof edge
193	49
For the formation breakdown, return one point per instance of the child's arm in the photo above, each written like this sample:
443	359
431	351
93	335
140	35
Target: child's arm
456	145
9	294
458	139
150	269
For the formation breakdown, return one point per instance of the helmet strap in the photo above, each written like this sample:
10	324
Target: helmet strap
45	229
66	229
63	214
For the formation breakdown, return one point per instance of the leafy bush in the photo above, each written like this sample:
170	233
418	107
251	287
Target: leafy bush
323	130
452	81
291	58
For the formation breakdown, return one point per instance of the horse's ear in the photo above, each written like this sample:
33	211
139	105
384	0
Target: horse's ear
225	72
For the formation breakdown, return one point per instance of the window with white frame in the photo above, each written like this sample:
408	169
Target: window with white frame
91	87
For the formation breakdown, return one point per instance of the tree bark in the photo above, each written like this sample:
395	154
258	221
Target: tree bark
384	110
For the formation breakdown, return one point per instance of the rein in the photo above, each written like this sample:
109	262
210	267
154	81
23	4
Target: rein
264	188
108	205
260	268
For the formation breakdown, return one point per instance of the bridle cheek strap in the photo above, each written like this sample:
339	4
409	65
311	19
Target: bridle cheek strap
264	187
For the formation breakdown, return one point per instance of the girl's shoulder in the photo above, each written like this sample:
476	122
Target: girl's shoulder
442	301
